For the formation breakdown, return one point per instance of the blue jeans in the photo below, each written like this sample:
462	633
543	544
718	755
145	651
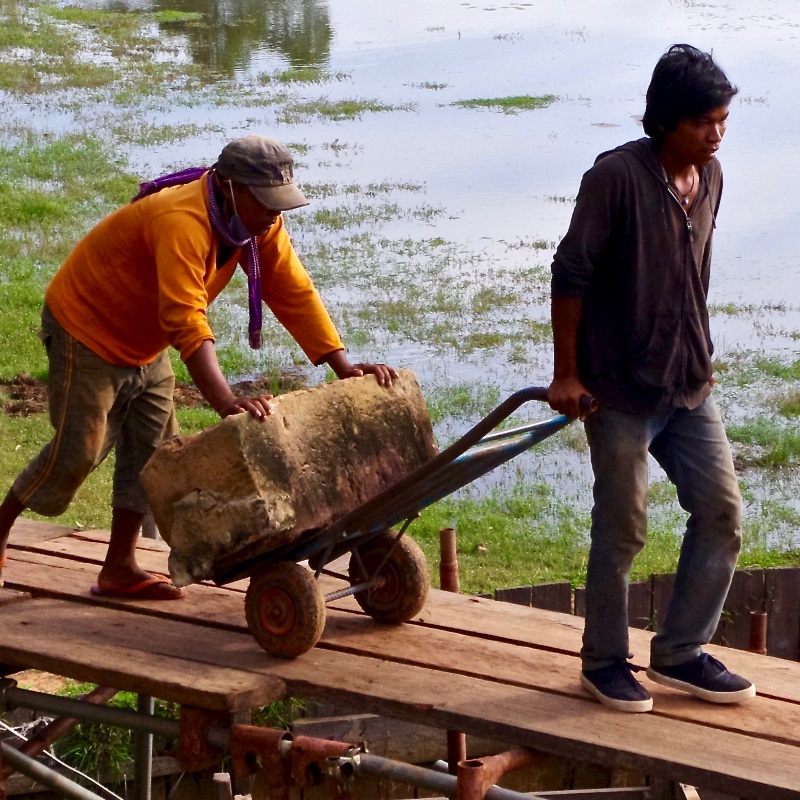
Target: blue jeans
691	447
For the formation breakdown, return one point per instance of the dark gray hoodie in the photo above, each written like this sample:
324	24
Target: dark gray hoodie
641	266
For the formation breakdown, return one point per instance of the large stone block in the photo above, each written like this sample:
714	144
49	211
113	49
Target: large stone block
246	483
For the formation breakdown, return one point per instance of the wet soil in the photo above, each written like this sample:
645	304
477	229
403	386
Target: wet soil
25	395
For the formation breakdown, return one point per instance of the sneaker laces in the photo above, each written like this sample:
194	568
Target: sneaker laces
708	663
628	665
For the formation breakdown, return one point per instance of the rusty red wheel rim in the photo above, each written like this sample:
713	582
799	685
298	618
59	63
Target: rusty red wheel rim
277	612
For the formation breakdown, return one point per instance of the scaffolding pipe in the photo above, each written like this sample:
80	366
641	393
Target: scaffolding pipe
143	758
420	777
12	697
448	580
57	728
478	774
45	776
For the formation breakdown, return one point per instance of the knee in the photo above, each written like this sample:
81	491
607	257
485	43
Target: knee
726	514
53	498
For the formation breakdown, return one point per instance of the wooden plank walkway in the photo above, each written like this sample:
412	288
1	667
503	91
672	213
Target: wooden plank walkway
493	670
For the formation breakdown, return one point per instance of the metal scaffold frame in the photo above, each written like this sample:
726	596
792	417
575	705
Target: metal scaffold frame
285	761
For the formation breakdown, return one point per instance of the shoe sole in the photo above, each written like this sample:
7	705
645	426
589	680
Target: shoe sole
704	694
631	706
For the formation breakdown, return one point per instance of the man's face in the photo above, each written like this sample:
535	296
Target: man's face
257	219
697	139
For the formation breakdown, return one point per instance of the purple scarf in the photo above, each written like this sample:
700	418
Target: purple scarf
234	234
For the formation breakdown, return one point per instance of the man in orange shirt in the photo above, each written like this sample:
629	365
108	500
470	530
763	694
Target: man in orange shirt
139	282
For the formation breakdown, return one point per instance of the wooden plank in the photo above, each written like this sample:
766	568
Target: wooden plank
572	727
51	576
553	672
102	536
30	531
92	550
782	604
357	635
112	648
551	631
11	596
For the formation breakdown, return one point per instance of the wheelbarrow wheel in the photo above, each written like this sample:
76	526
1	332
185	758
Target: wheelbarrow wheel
285	609
406	582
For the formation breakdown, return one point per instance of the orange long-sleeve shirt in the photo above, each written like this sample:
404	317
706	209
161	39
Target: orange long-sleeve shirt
142	279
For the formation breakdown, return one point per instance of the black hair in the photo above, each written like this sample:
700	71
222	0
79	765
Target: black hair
686	83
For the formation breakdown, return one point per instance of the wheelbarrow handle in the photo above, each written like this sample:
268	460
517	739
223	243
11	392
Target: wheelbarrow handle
587	404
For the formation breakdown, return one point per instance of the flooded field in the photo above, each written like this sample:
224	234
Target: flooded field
442	144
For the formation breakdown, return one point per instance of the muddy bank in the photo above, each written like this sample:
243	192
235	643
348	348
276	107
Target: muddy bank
25	395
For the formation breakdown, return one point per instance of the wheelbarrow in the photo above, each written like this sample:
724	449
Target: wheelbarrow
388	573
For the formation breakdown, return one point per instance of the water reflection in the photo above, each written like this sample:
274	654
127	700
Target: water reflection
299	30
233	32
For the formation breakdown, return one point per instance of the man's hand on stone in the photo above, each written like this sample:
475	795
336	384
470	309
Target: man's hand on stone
259	406
383	373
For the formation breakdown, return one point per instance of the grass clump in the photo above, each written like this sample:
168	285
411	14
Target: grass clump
307	74
461	401
766	442
510	105
337	110
173	17
788	404
102	752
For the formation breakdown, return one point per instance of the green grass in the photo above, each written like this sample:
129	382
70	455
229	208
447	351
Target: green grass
294	112
461	401
307	74
509	105
173	17
102	751
766	442
788	404
50	193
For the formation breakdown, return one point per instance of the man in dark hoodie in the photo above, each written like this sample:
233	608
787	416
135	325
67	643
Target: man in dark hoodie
630	328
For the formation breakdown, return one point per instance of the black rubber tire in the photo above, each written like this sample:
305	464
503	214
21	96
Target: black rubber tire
285	609
405	574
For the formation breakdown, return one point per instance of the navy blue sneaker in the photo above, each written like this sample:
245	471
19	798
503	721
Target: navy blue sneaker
704	677
615	687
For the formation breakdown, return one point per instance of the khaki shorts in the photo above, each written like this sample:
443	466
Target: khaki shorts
94	407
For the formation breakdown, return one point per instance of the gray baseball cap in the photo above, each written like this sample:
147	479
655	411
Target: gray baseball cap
265	167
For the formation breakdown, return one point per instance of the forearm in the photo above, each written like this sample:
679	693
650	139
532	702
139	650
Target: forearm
566	315
338	361
207	375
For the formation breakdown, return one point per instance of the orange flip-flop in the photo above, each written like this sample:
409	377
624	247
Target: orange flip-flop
3	562
148	589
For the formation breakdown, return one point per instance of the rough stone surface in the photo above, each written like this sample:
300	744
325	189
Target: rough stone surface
244	483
